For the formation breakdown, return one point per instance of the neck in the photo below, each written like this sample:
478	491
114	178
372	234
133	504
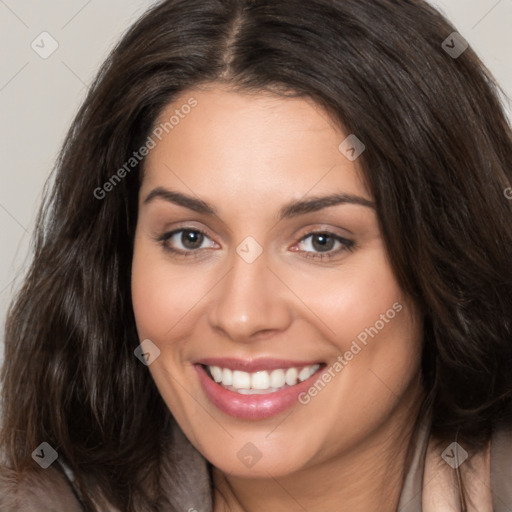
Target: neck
370	477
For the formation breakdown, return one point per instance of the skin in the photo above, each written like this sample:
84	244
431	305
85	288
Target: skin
247	155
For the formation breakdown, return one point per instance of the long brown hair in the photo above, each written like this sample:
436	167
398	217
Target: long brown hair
438	159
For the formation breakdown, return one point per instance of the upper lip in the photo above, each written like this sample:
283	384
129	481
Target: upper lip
255	365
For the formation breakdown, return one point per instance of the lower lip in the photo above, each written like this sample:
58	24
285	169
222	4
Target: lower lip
252	407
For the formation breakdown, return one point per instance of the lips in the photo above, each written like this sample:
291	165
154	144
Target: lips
255	389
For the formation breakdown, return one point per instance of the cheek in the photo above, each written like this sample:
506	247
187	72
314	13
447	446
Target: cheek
368	321
161	300
162	294
347	300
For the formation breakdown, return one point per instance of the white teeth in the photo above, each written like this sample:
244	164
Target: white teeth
216	373
227	377
241	380
304	374
291	376
313	369
256	391
262	381
277	379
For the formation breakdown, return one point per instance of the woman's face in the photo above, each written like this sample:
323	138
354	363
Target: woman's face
287	297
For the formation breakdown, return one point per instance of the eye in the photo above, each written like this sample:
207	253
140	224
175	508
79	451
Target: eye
324	242
190	241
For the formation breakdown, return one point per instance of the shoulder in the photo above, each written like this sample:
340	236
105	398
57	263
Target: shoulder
486	474
501	468
44	490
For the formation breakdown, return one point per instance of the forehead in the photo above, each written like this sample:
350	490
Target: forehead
249	147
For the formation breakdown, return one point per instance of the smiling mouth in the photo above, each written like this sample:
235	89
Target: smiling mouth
260	382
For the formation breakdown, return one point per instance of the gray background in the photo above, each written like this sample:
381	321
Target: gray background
39	97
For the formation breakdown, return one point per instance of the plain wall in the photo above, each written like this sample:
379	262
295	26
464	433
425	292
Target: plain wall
39	97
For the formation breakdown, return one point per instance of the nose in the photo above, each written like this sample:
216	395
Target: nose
250	302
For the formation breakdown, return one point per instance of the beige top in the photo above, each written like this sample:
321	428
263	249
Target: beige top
430	484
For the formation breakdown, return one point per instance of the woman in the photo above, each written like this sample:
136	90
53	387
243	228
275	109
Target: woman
272	273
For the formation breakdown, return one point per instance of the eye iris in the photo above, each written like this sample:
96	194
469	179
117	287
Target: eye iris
191	239
326	242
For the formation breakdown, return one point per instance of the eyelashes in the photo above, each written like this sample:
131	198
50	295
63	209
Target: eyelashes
166	238
198	238
325	236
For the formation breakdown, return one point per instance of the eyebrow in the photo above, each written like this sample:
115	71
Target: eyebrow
289	210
